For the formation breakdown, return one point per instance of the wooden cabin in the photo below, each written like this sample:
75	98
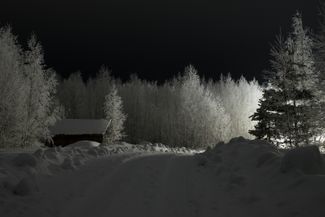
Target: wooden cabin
68	131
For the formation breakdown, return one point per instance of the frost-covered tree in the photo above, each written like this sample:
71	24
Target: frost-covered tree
12	89
113	109
182	112
99	88
137	103
320	45
40	91
26	92
240	100
202	115
319	51
85	99
187	111
291	97
72	95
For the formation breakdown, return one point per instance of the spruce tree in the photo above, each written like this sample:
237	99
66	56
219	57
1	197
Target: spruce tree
114	114
320	65
266	116
287	107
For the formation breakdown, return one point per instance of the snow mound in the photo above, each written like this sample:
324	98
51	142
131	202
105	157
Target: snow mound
259	154
92	152
52	155
250	153
84	144
259	179
17	170
306	159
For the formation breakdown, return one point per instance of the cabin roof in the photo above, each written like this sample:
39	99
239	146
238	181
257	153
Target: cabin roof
79	127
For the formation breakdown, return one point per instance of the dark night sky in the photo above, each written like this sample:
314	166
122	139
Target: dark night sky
156	38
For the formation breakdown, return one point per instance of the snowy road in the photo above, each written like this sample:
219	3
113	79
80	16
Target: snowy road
126	185
228	183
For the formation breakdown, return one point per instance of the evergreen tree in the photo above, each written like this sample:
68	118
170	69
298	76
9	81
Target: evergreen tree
114	114
288	104
320	65
265	116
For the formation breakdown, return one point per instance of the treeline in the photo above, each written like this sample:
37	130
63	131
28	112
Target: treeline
186	111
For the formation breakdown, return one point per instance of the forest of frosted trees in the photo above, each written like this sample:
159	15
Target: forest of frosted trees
288	109
186	111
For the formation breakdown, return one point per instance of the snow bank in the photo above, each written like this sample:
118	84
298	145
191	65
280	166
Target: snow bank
250	153
306	159
254	176
18	170
84	144
261	154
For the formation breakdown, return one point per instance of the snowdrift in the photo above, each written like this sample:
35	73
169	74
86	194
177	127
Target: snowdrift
18	170
260	154
254	176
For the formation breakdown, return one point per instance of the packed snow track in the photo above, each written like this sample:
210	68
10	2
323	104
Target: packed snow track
238	179
125	185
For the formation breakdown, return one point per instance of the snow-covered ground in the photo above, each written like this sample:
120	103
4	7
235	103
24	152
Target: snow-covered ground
242	178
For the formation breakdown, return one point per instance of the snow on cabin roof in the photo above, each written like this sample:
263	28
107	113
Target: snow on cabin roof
79	126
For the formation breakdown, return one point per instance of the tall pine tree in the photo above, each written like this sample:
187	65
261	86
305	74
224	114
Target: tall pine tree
320	65
289	101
